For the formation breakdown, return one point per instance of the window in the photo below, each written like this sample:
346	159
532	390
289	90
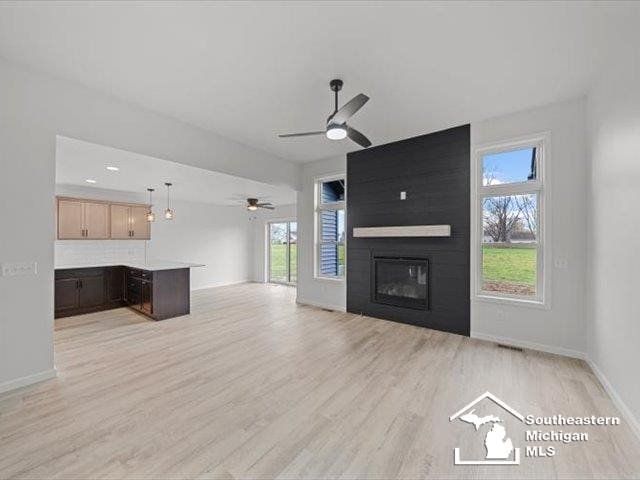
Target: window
330	227
510	199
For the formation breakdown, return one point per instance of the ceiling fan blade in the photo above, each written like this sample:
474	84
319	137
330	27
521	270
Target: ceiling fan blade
358	137
266	206
348	109
304	134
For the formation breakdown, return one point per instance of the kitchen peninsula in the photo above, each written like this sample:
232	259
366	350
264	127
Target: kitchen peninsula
157	289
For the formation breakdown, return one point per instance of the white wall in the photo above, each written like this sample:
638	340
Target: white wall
220	237
614	232
259	221
562	327
325	293
34	109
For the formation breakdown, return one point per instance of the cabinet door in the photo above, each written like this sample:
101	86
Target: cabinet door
147	299
91	292
115	284
139	224
96	220
120	227
66	294
70	220
133	289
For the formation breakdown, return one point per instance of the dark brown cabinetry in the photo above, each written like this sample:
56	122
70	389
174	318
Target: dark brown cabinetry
85	290
159	295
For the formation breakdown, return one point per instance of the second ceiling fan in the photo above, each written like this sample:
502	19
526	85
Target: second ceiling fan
337	127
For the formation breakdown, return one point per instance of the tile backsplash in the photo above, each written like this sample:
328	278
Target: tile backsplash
87	252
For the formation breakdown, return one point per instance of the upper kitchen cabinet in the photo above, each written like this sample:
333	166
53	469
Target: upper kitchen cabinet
130	222
140	226
82	219
120	225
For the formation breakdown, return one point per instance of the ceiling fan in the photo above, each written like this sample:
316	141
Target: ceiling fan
337	127
253	205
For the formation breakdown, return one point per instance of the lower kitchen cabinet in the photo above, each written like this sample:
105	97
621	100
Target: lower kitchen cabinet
85	290
159	295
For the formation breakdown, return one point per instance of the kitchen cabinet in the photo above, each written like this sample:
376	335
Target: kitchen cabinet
79	219
120	227
115	286
91	291
130	222
140	226
159	294
82	219
66	295
85	290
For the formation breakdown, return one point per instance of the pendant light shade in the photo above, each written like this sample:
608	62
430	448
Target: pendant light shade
151	217
168	213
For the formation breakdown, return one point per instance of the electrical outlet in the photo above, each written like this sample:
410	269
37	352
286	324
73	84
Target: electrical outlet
403	195
19	269
561	262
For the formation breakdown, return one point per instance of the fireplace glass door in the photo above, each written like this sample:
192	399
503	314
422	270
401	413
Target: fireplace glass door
403	282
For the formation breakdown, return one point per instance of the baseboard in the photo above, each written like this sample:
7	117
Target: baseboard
628	415
618	402
566	352
221	284
327	306
28	380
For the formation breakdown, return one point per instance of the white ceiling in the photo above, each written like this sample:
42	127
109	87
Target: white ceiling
252	70
77	161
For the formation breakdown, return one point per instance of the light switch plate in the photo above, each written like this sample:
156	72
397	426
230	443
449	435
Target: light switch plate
18	269
403	195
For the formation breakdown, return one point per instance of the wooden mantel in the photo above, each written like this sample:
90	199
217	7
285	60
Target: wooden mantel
408	231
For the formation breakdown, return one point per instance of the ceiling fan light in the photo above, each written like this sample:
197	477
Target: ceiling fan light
253	208
336	132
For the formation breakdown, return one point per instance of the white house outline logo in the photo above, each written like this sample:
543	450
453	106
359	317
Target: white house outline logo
466	408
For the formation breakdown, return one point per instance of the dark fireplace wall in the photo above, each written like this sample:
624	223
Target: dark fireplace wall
434	172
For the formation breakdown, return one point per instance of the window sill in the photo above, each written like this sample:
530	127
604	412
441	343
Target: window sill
516	302
329	279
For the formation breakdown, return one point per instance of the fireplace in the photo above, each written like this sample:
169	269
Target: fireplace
401	281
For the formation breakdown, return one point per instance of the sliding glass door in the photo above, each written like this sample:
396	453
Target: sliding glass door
283	254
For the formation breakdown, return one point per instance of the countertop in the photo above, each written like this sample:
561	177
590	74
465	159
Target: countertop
151	265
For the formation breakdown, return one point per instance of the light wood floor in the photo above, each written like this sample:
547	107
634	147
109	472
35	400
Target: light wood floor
251	385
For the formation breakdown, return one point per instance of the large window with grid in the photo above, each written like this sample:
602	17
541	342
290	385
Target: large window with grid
510	201
330	227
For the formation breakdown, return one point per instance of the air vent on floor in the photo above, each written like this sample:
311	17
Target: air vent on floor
510	347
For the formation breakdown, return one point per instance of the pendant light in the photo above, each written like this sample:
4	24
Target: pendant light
168	213
151	217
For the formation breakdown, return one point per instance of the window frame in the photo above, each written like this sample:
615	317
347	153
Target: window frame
538	187
319	207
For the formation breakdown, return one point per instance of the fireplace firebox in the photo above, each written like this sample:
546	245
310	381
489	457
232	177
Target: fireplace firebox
401	281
